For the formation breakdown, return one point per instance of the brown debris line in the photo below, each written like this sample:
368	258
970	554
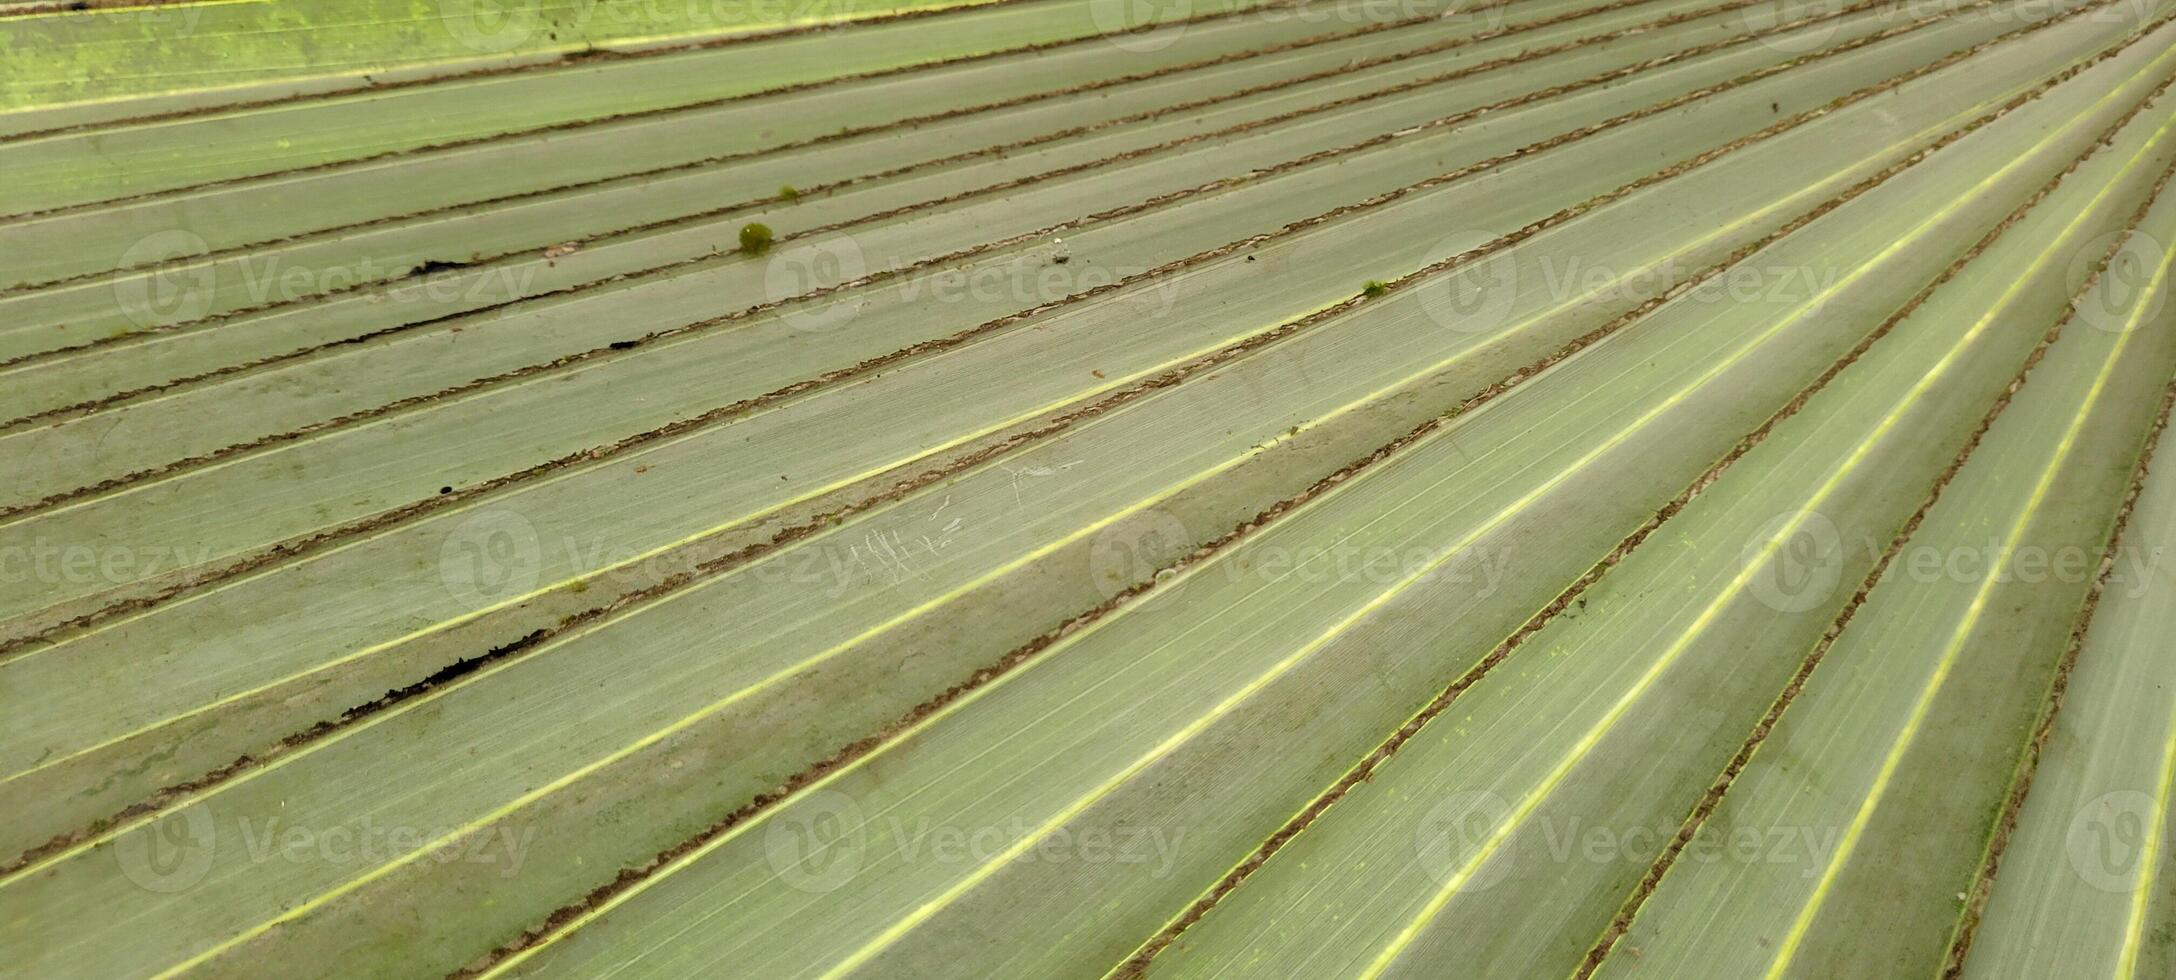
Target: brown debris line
755	32
847	133
955	339
595	55
308	544
1365	770
167	796
1708	803
40	8
1000	150
629	877
2029	765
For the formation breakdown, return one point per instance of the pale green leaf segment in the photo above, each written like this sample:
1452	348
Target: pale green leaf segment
1688	309
306	644
493	719
2082	887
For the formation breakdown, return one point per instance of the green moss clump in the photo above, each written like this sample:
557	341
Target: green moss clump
1374	288
788	193
756	238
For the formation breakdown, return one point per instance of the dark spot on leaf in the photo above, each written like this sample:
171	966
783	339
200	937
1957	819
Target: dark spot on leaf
436	265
